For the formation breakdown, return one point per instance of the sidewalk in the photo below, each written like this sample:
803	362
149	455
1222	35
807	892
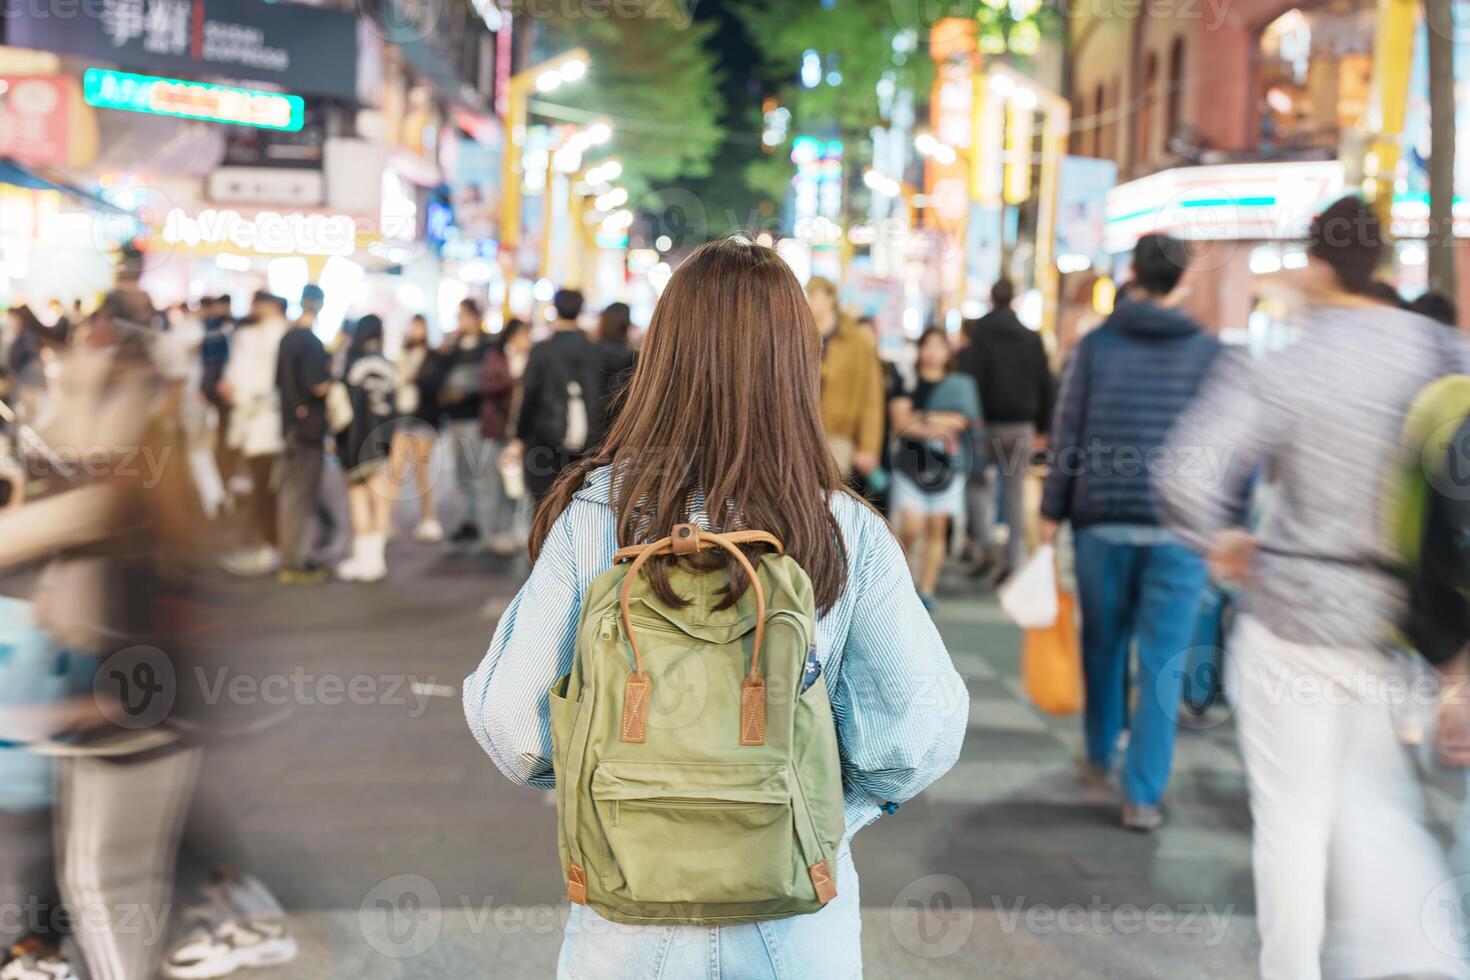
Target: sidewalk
1007	867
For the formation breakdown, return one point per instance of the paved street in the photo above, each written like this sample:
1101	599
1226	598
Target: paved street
1007	867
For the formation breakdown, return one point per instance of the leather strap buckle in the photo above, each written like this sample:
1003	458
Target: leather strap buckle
684	539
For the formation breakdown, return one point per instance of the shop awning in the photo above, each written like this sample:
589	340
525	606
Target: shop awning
37	178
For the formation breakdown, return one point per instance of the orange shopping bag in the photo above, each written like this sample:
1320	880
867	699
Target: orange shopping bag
1051	662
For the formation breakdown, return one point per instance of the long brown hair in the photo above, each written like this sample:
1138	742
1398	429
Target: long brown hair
724	404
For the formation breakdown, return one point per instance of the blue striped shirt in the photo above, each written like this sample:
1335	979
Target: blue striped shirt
900	706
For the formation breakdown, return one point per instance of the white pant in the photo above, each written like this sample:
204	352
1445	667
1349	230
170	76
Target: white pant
1347	875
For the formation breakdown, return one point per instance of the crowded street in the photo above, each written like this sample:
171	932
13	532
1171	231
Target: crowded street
734	490
1005	862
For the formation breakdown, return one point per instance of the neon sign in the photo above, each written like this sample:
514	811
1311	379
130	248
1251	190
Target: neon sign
192	100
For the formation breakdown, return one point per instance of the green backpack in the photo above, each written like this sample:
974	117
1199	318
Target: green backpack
1439	595
696	781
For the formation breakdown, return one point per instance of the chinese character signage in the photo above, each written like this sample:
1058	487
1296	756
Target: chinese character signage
192	100
35	118
305	49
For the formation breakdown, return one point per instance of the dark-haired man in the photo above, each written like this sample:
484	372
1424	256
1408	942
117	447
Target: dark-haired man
566	397
1009	364
1122	390
303	377
457	383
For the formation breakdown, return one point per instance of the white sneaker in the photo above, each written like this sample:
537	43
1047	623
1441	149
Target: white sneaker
220	951
229	894
353	568
34	960
428	532
374	564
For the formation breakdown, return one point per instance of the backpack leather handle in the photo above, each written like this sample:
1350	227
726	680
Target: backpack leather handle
687	539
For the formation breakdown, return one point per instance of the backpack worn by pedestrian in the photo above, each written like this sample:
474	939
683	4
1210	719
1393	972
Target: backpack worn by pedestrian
697	775
1426	517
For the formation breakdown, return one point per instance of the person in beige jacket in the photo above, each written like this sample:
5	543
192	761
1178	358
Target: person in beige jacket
852	384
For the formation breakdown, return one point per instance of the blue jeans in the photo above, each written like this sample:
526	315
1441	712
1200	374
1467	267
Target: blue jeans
824	945
1146	595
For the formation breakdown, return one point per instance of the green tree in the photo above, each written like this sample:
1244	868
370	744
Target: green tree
854	38
653	77
857	39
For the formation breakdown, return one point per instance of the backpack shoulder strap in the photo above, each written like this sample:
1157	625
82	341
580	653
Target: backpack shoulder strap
687	539
632	551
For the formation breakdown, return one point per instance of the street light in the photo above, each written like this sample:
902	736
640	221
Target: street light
614	198
546	77
604	173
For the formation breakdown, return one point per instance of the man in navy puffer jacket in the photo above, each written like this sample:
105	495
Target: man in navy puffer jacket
1123	388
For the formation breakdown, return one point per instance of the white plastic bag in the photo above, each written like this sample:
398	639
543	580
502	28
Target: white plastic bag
1030	597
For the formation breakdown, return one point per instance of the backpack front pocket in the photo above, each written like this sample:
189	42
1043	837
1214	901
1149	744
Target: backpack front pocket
696	833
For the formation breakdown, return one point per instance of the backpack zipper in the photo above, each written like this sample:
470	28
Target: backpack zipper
677	803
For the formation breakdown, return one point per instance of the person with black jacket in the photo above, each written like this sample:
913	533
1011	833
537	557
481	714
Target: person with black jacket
1012	373
567	396
459	394
1124	387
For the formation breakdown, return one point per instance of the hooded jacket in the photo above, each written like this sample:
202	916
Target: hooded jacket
1122	390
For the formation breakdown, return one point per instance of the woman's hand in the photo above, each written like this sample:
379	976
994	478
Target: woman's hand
1049	529
511	454
1231	556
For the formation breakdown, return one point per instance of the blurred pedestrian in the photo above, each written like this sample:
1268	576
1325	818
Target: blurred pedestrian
1124	387
372	385
932	457
567	398
722	427
214	354
852	384
1436	306
1346	868
121	544
615	324
22	366
302	377
504	365
417	430
249	388
1014	379
459	365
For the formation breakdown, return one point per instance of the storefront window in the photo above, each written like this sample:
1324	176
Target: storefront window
1314	74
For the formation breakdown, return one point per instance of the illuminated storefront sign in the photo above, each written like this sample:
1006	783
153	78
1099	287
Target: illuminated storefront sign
268	232
1230	202
192	100
36	118
294	46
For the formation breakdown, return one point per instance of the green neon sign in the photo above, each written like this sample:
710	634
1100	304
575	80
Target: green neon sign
192	100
